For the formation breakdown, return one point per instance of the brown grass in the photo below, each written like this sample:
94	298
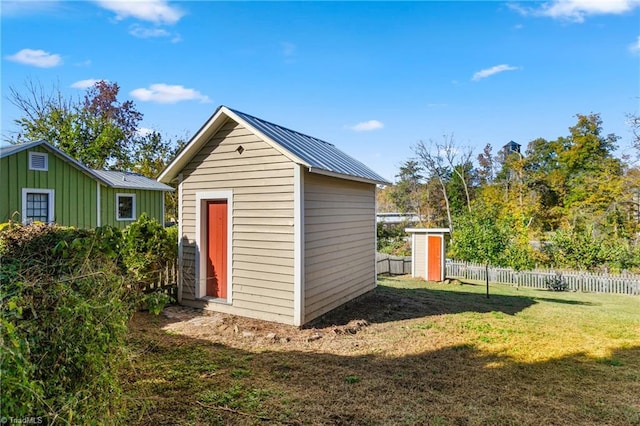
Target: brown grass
408	353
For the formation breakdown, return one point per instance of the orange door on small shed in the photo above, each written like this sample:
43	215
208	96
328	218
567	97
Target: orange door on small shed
217	249
434	258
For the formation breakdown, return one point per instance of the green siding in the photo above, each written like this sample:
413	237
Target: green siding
74	192
149	202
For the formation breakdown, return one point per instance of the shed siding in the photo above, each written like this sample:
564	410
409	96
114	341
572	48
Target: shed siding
261	179
420	257
147	201
74	192
339	242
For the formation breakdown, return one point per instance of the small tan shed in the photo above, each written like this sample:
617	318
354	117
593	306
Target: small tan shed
428	251
273	224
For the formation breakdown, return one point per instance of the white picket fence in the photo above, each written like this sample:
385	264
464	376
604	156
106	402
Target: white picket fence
576	280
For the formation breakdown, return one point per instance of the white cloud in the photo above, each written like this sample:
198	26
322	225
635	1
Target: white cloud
635	46
367	126
142	32
156	11
488	72
37	58
168	94
85	84
29	7
577	10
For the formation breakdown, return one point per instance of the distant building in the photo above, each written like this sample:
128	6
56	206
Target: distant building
507	150
389	219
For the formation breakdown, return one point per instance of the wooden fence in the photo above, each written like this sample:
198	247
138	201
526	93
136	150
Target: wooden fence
539	278
393	265
164	280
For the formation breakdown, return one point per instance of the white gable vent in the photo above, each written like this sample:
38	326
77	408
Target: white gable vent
38	161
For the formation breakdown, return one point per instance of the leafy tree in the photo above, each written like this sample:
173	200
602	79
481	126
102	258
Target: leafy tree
99	130
486	165
406	192
460	187
384	199
480	237
151	155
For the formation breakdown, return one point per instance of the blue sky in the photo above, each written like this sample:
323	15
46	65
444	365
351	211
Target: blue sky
373	78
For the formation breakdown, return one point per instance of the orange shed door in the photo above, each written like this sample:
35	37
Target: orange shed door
217	249
434	260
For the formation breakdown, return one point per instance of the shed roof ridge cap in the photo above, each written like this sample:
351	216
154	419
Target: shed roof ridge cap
278	126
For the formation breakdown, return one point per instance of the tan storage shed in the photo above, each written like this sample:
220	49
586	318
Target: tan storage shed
273	224
428	250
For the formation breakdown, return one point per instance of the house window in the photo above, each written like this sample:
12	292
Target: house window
37	205
38	161
125	206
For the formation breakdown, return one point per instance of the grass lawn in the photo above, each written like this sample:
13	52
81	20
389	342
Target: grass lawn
409	353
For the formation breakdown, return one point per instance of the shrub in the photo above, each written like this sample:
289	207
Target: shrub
156	301
147	248
392	239
557	283
65	309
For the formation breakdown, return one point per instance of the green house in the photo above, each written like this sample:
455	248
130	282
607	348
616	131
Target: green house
38	182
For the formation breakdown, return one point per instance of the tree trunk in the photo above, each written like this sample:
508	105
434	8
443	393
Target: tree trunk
486	266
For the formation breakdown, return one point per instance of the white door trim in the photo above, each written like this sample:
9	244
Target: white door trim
201	252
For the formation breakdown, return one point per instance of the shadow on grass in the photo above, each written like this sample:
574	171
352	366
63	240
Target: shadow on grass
386	303
566	302
180	380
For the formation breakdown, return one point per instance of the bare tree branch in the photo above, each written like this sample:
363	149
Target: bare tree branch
432	161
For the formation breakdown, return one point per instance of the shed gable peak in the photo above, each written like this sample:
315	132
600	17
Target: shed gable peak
317	155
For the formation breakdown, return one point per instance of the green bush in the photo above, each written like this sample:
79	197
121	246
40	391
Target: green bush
65	307
156	301
148	248
392	239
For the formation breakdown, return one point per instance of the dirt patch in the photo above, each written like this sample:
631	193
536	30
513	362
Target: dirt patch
358	326
247	333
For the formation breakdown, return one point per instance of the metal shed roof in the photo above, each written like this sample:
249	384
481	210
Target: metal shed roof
128	180
6	151
319	156
316	153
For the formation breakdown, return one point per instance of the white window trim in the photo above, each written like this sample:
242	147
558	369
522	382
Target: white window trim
201	238
133	210
46	161
49	192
